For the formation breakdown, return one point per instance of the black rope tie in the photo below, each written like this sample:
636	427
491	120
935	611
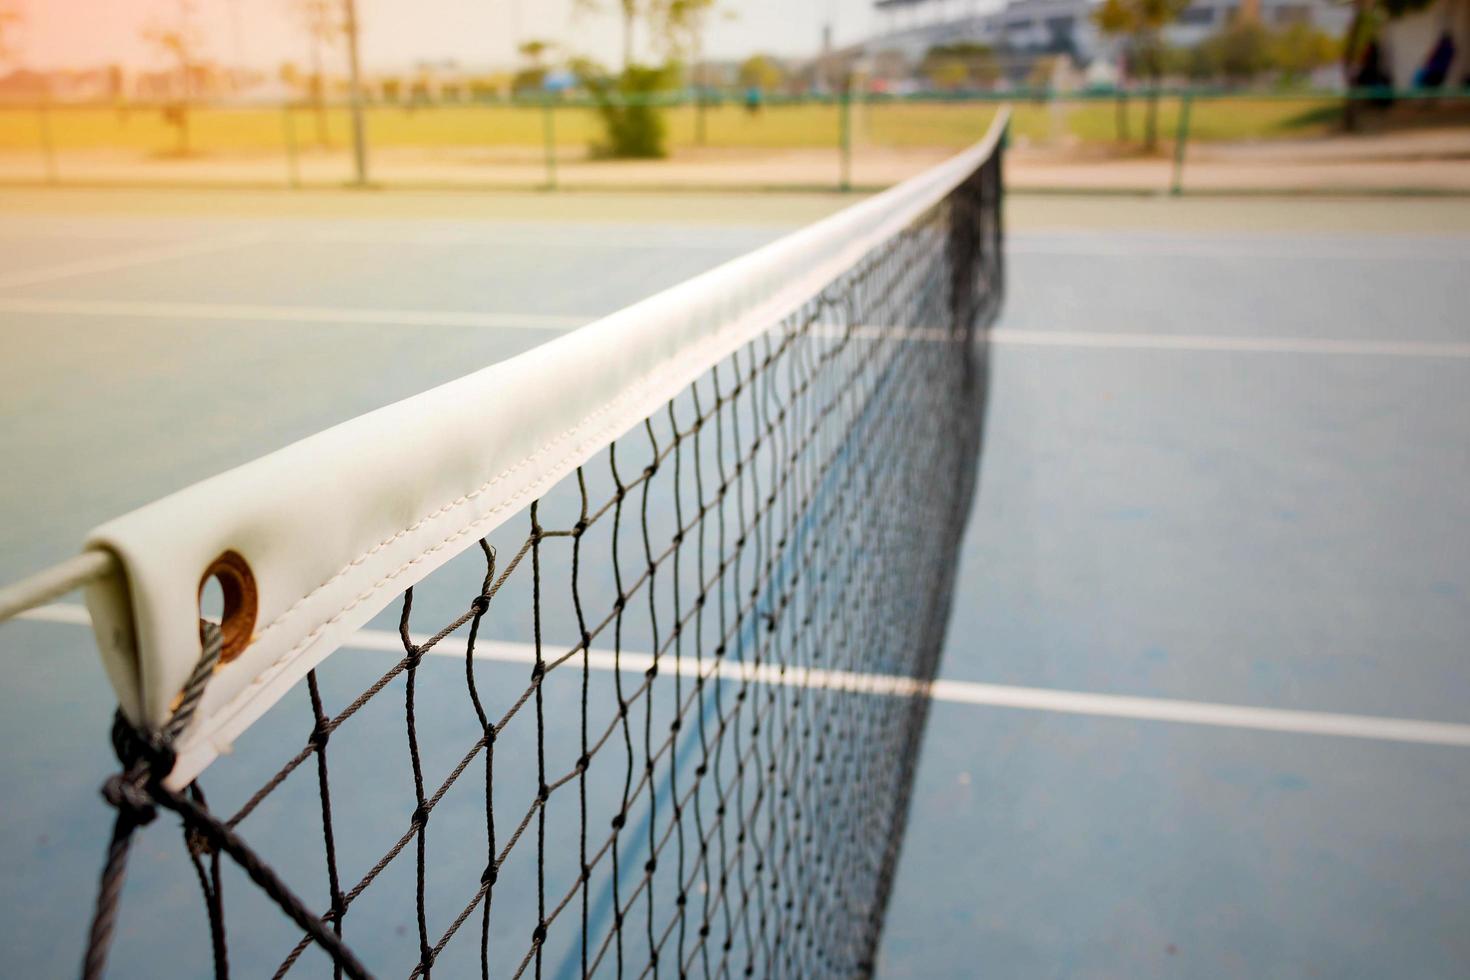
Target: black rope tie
138	792
147	758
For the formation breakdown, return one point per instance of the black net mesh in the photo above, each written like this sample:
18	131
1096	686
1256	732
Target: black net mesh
665	723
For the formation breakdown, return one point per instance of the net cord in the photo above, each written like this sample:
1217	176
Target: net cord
312	600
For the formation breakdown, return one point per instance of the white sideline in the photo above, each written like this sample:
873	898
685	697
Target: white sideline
1364	247
955	692
553	322
290	314
556	322
1218	343
126	260
570	235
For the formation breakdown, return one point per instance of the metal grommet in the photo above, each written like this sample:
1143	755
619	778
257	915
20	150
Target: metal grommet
237	583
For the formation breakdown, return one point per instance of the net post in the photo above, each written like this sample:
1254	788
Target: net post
1181	140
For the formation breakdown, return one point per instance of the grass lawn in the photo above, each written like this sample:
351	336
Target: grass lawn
1235	118
898	124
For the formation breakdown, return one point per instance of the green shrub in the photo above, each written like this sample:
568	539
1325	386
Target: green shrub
632	118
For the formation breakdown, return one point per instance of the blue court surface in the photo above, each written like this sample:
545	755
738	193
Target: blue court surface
1222	533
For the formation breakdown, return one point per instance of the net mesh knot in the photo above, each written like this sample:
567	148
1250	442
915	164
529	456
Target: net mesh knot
320	734
135	748
125	794
146	758
198	843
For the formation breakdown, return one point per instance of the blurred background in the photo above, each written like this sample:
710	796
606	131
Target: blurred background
1117	95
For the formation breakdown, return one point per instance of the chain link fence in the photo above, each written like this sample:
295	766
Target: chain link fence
1168	141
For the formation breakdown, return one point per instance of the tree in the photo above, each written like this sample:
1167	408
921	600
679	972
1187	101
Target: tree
11	20
684	23
672	24
1043	73
534	51
1299	49
947	74
177	42
628	11
1243	50
963	65
533	76
761	72
319	18
1237	52
1141	24
631	120
626	103
680	25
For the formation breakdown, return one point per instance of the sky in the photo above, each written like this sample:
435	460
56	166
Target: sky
399	34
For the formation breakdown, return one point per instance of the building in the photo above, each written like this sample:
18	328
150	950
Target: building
1024	30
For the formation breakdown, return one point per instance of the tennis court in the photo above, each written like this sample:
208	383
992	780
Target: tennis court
1224	469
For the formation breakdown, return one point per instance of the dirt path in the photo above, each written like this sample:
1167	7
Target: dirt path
1024	212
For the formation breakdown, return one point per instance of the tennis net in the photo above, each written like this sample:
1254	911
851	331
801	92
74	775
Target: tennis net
611	659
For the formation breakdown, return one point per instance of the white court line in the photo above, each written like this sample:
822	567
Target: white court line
1364	248
1222	344
1003	337
573	236
125	260
556	235
1000	336
289	314
955	692
150	309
